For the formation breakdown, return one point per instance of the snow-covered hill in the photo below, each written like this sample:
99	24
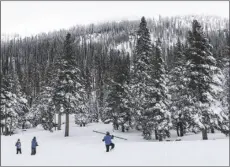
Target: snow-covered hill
84	147
121	35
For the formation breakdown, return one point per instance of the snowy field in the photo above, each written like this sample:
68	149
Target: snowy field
84	147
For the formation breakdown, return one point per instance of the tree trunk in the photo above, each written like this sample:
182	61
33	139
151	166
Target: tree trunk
123	128
98	112
6	130
212	130
115	125
160	136
204	134
55	122
181	129
177	130
67	125
23	125
2	128
59	121
11	125
156	136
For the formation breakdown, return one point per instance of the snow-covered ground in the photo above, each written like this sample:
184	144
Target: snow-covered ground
84	148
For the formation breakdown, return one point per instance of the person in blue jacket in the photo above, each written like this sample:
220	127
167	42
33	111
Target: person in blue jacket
18	147
107	139
34	144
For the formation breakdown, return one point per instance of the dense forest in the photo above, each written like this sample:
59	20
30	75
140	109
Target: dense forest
152	75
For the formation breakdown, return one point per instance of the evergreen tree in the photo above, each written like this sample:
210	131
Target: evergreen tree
202	69
68	90
178	91
159	111
222	121
118	106
13	104
84	115
148	86
22	101
43	109
222	118
141	85
8	114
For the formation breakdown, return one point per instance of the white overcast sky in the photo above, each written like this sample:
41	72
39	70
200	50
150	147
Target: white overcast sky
26	18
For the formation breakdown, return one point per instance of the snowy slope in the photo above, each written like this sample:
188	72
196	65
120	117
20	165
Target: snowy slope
107	32
84	147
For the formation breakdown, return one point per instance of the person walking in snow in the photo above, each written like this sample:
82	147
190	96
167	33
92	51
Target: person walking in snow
18	147
34	144
107	139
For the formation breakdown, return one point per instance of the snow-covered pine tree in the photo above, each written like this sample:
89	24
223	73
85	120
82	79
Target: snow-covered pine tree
222	122
43	109
117	102
13	101
159	111
148	86
85	114
178	91
55	77
21	100
83	117
141	85
201	70
8	100
68	89
13	104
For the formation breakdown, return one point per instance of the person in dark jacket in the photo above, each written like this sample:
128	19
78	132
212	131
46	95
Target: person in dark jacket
18	147
107	139
34	144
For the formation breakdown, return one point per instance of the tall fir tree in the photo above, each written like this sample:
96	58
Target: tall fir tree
222	118
8	99
43	110
148	86
13	101
22	101
160	112
68	90
141	85
178	91
202	70
117	102
84	115
13	104
222	122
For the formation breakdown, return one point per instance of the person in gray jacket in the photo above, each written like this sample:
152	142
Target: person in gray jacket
18	147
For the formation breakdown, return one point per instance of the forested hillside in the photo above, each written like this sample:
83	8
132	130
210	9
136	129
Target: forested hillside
136	75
